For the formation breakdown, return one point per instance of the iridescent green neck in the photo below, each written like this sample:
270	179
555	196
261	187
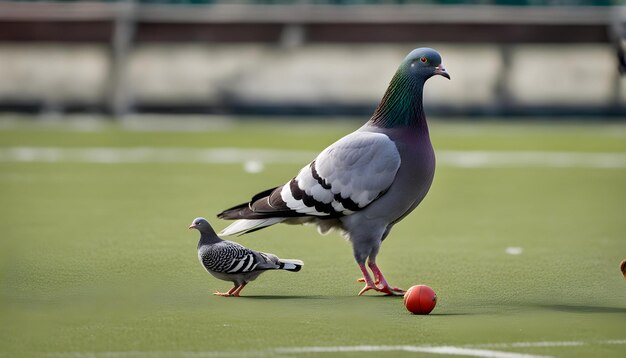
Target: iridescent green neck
401	105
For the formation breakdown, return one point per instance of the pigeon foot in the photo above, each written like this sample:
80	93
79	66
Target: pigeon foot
367	288
232	292
389	291
392	291
378	275
218	293
369	284
379	279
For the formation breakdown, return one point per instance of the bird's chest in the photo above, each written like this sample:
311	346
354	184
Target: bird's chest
210	260
413	179
417	167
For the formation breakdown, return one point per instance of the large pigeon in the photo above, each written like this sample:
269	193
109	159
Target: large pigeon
229	261
364	183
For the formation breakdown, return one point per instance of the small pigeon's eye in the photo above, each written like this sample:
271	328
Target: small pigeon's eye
423	59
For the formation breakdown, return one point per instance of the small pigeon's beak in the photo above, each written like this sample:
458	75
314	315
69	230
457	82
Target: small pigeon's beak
192	226
440	70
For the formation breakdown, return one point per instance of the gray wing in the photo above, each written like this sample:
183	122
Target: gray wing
345	178
232	258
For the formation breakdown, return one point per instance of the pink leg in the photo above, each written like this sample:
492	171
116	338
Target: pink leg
385	286
369	284
236	293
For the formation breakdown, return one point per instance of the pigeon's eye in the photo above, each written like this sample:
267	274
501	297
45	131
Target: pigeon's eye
423	59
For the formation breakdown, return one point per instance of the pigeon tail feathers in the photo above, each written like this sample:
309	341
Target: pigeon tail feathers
290	265
264	205
236	212
244	211
245	226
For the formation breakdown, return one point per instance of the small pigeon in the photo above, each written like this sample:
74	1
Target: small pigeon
230	261
364	183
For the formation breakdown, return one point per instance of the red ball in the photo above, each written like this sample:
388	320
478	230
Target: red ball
420	299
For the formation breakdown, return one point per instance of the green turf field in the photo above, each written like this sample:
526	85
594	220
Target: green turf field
96	259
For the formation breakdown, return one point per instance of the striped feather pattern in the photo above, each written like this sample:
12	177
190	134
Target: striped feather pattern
231	258
345	178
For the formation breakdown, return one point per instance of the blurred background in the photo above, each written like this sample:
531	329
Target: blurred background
121	121
310	57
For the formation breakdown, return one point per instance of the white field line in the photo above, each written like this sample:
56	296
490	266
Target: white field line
532	159
476	350
535	344
447	350
463	159
152	155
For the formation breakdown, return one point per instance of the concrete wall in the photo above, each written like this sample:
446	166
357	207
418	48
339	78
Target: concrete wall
210	75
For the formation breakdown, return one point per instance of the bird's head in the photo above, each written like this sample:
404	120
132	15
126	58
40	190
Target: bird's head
424	63
200	224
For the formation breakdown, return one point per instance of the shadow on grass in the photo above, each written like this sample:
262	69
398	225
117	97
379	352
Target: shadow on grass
582	309
272	297
387	297
281	297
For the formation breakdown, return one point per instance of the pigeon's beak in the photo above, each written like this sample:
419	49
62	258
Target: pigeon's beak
440	70
192	226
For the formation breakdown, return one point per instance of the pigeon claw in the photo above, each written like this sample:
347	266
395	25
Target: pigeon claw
226	294
390	291
218	293
367	288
